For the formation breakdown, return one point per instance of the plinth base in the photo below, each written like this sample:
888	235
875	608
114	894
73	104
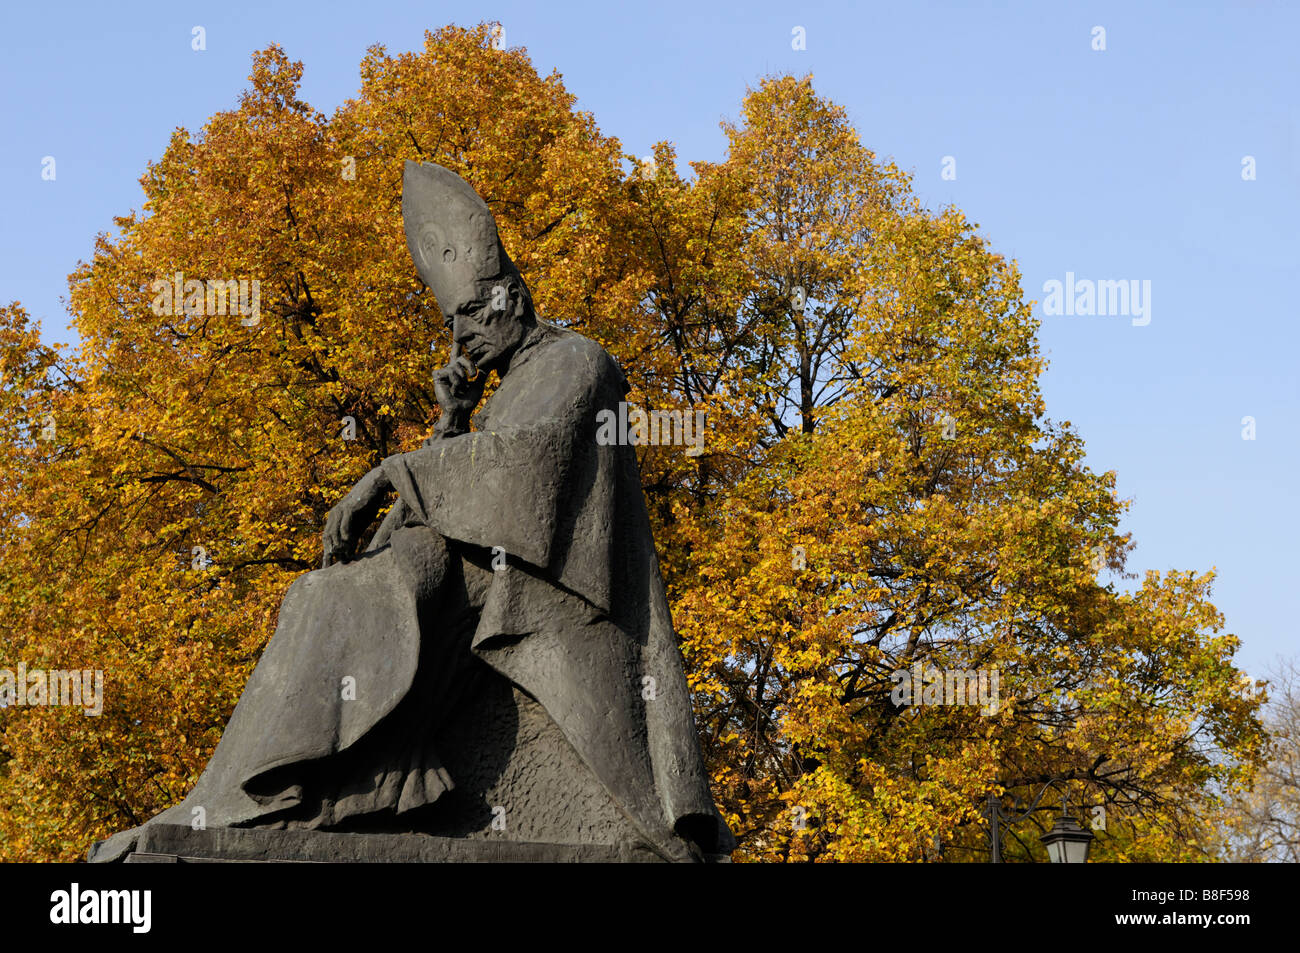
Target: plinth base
177	844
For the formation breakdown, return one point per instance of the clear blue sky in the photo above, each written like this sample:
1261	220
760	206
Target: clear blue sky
1119	164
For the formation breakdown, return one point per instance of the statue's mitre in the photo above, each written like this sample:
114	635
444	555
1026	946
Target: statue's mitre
451	233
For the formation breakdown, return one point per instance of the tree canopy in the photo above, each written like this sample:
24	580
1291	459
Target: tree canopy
880	490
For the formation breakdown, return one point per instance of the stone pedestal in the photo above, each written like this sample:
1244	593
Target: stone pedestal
177	844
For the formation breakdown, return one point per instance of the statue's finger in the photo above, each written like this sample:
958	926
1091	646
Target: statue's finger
448	382
467	368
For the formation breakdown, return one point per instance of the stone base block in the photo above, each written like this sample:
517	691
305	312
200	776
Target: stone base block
174	843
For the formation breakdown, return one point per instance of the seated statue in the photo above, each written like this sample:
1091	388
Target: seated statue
500	660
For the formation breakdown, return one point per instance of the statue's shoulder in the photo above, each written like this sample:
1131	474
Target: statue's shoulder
563	350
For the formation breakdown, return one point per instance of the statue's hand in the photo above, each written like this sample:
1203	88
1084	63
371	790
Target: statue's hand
458	394
350	518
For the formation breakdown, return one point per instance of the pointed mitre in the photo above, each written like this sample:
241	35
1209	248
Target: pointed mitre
450	232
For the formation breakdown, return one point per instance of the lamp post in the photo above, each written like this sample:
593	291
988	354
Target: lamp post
1067	842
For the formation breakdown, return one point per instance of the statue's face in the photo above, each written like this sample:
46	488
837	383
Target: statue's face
490	325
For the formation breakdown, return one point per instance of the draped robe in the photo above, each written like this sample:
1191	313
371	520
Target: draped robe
573	613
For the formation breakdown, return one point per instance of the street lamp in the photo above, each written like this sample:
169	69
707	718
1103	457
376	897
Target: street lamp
1066	842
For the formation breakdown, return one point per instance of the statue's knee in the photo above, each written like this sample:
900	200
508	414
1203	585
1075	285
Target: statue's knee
422	557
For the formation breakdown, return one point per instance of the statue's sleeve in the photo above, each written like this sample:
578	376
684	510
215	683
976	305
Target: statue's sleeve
504	485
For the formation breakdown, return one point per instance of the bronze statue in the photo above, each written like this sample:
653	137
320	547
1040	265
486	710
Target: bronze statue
499	662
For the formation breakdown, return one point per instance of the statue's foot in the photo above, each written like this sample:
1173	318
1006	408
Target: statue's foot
114	849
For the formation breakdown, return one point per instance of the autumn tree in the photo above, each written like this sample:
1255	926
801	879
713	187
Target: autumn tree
879	486
1261	823
910	507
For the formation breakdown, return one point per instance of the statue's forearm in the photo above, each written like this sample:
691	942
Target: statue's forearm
369	494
